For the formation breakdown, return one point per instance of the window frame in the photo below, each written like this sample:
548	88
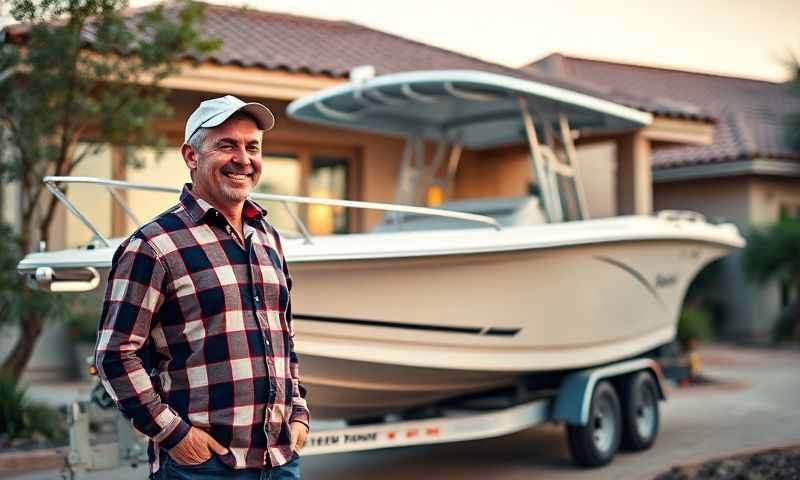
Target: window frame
304	154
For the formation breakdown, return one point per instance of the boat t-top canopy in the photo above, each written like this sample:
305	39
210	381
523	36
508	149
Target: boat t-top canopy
458	109
472	108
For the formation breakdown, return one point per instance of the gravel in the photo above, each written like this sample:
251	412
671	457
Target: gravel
778	464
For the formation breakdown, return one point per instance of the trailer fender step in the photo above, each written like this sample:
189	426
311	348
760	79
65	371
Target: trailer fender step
575	394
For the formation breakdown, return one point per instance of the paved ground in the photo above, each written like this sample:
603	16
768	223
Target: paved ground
757	406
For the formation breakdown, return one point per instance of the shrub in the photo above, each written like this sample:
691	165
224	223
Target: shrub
772	254
23	419
81	315
694	324
787	328
705	294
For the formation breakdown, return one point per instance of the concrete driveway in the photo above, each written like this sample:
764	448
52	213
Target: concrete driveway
757	405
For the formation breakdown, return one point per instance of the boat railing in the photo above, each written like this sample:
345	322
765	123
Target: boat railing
114	186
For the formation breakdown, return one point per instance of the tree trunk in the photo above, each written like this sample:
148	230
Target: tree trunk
30	322
30	327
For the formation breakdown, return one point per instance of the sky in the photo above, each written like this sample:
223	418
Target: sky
749	38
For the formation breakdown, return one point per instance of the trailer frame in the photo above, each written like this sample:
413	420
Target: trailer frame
571	404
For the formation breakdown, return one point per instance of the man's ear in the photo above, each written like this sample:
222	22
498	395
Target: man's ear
189	156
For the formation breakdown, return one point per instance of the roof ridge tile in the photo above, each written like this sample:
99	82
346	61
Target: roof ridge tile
576	58
268	13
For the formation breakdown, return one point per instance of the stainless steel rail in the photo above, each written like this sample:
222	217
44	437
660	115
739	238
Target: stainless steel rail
52	183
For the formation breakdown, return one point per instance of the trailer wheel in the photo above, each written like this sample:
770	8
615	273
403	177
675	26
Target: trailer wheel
596	443
640	414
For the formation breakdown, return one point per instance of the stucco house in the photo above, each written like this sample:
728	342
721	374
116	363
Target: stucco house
275	58
746	173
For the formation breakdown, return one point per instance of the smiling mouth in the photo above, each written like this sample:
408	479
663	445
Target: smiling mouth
238	176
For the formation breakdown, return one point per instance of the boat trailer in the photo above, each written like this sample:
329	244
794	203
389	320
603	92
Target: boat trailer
603	408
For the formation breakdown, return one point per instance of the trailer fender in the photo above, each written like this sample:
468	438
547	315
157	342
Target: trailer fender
575	393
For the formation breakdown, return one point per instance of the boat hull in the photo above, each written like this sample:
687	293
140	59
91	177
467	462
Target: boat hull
380	336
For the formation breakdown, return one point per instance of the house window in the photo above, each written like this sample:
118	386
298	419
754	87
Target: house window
322	173
327	179
281	174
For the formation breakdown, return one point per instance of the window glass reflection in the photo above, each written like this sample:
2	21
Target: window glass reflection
327	179
280	175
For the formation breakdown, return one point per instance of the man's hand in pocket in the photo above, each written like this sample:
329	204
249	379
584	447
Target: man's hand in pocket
195	448
299	432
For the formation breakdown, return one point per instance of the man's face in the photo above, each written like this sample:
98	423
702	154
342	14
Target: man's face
229	163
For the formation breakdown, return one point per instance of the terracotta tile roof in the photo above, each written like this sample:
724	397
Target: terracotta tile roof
750	112
277	41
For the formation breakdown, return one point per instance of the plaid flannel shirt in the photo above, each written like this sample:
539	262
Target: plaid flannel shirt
196	331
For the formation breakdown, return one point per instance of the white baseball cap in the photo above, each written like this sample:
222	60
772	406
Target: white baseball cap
214	112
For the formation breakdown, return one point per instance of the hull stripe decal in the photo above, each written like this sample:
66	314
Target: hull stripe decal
635	274
503	332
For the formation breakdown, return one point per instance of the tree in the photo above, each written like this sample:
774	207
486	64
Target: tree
792	130
78	68
772	253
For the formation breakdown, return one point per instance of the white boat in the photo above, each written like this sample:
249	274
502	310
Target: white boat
437	304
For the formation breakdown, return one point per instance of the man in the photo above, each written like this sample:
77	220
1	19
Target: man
195	342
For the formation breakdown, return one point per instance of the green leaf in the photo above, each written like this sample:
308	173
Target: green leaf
772	252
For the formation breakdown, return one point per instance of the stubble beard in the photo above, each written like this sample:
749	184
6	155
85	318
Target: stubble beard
237	193
218	192
234	195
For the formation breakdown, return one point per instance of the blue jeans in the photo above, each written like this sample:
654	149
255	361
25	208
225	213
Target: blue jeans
214	469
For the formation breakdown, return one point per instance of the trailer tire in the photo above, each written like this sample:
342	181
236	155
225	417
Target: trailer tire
640	415
596	443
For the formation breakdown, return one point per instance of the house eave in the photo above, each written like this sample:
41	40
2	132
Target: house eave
662	130
757	166
247	82
671	130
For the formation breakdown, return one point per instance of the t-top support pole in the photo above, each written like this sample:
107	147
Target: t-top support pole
572	158
452	167
536	157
